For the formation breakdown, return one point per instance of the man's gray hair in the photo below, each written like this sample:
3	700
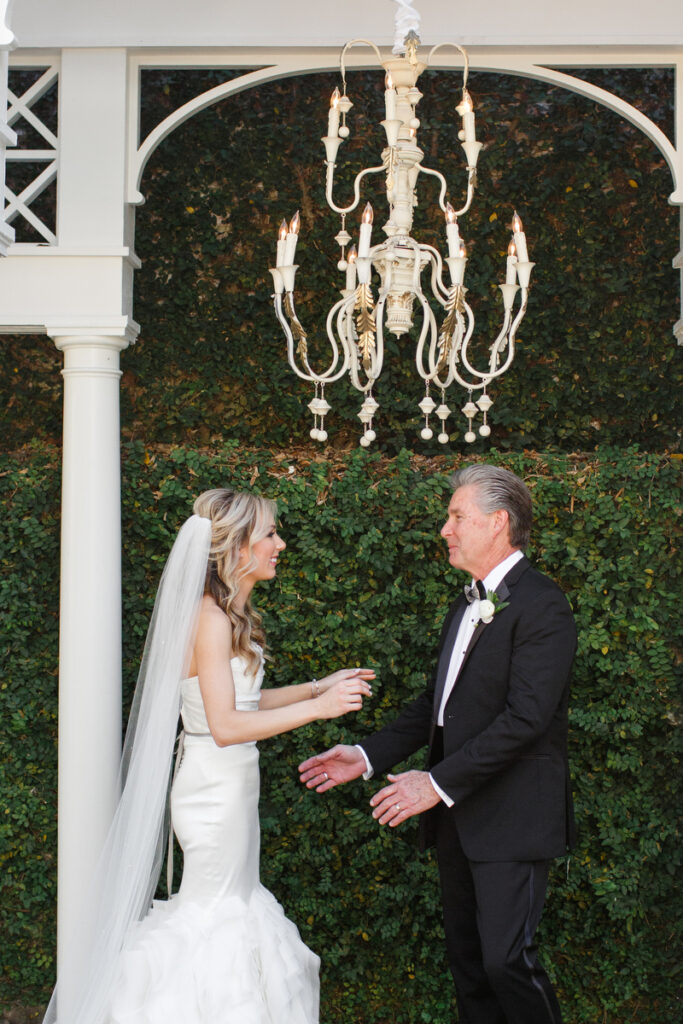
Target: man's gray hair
499	488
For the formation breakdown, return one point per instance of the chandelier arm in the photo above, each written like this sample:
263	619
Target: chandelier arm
454	374
344	322
471	177
332	374
353	369
468	385
302	348
499	344
378	361
466	68
434	358
449	379
350	343
428	322
492	373
355	42
456	337
345	330
439	289
444	183
356	187
510	339
290	342
329	375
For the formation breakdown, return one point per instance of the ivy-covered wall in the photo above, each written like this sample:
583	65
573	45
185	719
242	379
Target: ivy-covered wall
586	415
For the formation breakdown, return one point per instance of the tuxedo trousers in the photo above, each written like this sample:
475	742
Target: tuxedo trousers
491	912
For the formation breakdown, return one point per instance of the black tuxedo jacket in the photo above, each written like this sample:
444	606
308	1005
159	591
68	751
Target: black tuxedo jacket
502	754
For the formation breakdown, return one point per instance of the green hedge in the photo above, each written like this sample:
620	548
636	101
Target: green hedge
365	578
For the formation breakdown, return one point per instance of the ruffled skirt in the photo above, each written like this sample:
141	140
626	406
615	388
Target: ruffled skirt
235	963
221	951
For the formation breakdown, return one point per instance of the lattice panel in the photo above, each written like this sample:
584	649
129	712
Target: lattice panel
30	191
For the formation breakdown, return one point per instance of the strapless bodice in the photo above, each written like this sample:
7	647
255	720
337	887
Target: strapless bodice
247	695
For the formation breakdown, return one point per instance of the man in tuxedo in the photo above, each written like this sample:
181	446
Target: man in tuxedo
495	800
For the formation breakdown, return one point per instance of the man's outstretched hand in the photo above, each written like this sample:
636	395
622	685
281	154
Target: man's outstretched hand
407	794
332	768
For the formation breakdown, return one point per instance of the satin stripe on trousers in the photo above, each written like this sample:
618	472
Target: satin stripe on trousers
491	913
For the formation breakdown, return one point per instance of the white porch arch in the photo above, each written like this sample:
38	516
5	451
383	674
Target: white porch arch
77	285
290	64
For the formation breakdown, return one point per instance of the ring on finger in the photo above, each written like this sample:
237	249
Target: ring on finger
397	806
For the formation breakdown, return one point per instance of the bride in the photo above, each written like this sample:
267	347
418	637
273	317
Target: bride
220	951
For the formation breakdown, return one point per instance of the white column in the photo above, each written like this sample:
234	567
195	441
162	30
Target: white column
90	633
95	227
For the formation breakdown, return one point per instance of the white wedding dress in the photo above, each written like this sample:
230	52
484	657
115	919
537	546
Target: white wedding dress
221	950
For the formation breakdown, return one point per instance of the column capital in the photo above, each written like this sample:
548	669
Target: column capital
93	350
113	332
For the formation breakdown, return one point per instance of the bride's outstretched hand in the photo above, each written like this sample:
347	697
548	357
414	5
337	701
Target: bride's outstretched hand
343	691
344	673
332	768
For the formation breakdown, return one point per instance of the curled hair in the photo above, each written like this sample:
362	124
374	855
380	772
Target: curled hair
238	520
499	488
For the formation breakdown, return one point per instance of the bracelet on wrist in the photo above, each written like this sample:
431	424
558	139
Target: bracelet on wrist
315	688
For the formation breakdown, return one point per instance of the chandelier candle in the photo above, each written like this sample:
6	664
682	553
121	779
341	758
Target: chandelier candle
351	269
291	240
520	239
511	271
383	288
389	98
333	116
281	244
466	111
365	231
452	233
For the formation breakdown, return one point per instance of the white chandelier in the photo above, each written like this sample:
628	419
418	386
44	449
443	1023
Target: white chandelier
356	323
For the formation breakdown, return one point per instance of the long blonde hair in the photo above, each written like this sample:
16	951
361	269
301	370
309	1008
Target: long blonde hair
238	519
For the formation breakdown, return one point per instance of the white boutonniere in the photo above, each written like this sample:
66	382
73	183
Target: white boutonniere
490	606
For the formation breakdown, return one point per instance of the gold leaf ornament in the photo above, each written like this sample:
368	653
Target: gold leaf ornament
365	324
454	306
298	331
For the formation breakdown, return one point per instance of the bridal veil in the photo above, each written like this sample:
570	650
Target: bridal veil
129	866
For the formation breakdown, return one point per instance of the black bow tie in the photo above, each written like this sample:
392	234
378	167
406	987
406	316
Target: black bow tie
476	592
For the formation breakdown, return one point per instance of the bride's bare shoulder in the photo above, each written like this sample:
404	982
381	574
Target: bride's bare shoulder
214	635
210	611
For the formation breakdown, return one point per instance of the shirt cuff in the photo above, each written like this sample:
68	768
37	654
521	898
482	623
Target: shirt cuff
437	789
369	771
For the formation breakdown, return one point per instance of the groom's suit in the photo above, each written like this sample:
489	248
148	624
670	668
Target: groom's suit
501	757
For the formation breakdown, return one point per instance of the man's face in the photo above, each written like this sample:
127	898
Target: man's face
469	532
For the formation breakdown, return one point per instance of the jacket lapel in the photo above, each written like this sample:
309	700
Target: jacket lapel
447	650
